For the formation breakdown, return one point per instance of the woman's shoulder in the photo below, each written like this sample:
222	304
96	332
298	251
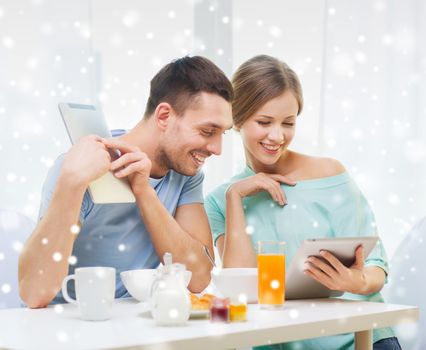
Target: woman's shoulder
313	167
327	166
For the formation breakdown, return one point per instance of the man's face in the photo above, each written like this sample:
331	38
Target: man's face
197	134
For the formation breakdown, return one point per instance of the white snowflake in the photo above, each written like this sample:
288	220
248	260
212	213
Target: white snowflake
249	229
294	313
275	31
8	42
6	288
57	256
72	260
130	19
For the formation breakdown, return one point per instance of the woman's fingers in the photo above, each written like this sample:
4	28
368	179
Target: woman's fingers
320	277
359	258
274	189
261	182
280	193
282	179
329	271
279	179
323	266
333	261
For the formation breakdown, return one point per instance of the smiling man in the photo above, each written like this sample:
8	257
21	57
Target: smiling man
188	110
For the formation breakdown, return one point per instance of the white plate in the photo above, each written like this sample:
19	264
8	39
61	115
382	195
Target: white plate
199	313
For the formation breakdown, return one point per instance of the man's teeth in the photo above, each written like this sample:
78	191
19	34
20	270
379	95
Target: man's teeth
271	148
198	157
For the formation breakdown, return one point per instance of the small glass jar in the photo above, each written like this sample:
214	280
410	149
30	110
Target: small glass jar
237	311
219	311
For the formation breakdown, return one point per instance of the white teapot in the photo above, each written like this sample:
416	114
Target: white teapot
170	303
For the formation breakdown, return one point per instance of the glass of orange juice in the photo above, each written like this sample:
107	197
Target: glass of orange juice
271	274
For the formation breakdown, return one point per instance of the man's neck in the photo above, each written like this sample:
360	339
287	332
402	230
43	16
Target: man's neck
145	136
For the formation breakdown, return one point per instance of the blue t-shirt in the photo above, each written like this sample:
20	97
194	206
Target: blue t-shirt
114	234
326	207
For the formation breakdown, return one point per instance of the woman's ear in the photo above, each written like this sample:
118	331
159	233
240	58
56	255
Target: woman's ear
162	114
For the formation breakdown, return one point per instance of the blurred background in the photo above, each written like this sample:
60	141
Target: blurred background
362	67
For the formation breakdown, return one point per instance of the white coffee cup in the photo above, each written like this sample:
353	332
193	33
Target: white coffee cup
94	290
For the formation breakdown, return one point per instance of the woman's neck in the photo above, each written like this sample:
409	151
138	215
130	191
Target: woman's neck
281	166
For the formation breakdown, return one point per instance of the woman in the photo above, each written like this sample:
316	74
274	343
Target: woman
288	196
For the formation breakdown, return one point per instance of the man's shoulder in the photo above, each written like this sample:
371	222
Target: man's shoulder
54	170
218	193
173	177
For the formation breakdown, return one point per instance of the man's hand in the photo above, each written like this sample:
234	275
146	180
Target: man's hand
132	163
86	161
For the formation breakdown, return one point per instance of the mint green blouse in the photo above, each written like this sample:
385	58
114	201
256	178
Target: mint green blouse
326	207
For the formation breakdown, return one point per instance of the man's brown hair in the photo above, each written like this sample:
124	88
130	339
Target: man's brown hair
182	80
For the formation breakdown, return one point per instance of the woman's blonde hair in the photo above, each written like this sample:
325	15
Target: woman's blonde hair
259	80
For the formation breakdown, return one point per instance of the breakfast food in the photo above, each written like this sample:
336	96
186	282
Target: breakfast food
202	302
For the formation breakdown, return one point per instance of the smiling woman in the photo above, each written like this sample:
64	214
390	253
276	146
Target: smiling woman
287	196
270	129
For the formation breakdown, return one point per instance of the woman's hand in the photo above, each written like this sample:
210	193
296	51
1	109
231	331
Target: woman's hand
330	272
270	183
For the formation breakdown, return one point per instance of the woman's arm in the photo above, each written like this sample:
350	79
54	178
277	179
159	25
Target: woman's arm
351	215
235	247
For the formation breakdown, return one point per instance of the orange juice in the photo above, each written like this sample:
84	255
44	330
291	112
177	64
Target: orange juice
271	279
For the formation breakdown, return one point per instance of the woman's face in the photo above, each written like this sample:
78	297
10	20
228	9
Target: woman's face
268	132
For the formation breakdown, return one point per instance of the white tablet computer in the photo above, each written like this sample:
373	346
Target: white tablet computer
301	286
82	120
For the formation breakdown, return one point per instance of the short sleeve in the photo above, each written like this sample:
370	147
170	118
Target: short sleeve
49	188
354	217
192	190
216	216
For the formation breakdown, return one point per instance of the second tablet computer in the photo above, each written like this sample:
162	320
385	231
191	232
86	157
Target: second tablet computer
82	120
301	286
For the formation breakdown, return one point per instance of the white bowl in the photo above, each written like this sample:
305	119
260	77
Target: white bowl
138	282
235	282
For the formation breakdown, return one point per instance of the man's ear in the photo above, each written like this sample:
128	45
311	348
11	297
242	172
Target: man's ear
162	114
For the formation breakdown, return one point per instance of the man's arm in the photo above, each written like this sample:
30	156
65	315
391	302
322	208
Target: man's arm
184	236
43	263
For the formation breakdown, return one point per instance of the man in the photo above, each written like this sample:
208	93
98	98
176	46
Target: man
188	110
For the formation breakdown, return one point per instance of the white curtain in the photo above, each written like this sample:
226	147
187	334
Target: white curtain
362	66
374	107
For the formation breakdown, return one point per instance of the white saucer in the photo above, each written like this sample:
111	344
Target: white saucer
199	313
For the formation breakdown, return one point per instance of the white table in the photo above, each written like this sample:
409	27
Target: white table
131	326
